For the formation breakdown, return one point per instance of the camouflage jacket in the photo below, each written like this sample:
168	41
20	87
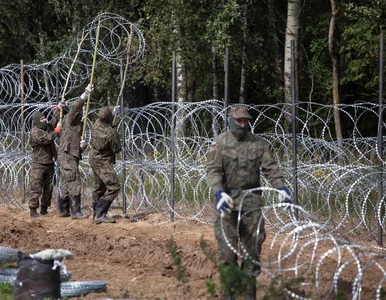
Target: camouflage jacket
71	130
105	143
234	165
42	142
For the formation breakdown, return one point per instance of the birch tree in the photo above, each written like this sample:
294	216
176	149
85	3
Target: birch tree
292	33
335	73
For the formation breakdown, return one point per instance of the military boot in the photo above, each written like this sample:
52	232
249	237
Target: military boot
75	208
250	290
102	207
43	210
94	205
228	296
250	293
64	207
33	213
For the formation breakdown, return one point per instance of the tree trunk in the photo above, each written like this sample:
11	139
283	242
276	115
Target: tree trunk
275	44
292	33
242	96
335	74
215	125
181	95
45	75
214	71
181	83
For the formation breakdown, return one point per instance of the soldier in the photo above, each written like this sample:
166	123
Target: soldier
70	153
105	144
42	169
234	163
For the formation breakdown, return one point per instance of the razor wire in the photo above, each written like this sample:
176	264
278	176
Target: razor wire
338	183
43	82
324	263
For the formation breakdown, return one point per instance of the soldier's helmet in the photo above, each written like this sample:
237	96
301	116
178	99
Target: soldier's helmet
105	115
36	117
239	112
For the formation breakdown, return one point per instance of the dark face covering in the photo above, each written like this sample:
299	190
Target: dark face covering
36	120
42	125
108	120
240	132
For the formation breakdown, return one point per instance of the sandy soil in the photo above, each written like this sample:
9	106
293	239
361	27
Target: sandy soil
133	257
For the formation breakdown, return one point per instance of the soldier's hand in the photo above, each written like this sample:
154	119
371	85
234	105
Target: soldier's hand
116	110
61	105
57	129
224	203
89	88
83	144
285	197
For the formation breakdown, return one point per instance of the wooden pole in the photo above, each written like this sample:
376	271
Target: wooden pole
91	80
128	49
70	71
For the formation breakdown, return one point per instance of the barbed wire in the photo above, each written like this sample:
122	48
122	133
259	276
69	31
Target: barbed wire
43	82
338	183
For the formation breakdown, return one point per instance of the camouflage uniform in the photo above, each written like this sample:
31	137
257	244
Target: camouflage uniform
70	154
105	144
234	164
42	169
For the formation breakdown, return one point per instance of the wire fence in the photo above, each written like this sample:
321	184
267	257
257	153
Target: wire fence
332	243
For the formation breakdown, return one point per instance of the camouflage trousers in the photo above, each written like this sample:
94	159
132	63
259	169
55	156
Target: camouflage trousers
249	235
106	185
70	183
40	185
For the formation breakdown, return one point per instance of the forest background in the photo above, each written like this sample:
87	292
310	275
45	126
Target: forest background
337	48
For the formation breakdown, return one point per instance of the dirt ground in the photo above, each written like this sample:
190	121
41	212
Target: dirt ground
133	257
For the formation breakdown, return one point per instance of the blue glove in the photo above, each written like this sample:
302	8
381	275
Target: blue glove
285	197
224	203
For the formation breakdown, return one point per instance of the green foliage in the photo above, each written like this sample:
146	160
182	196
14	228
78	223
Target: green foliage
177	261
356	40
320	62
234	279
209	253
39	31
275	291
211	286
7	265
6	291
218	28
360	46
383	294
